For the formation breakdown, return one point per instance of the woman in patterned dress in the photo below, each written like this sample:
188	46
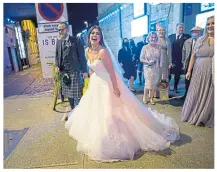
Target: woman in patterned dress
150	56
165	59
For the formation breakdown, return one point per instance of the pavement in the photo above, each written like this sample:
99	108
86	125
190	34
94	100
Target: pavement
35	136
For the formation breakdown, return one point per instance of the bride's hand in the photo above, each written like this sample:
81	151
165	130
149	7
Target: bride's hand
117	92
187	76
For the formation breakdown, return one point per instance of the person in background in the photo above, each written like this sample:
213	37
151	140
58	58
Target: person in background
126	61
165	59
139	46
198	107
177	41
186	54
150	56
135	57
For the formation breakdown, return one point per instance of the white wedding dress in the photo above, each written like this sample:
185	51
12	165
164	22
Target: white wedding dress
108	128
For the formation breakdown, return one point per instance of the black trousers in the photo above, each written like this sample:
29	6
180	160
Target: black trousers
177	70
176	78
187	84
140	76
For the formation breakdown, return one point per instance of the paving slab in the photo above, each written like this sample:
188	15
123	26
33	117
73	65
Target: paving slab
45	145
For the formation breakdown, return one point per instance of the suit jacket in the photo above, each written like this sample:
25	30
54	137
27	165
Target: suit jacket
75	54
186	53
177	46
125	56
139	46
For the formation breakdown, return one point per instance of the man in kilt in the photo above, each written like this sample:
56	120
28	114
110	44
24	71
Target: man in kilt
70	59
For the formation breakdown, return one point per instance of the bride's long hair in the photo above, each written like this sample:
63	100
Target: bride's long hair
115	62
101	42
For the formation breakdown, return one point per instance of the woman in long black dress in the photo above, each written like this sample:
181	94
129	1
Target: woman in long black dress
125	58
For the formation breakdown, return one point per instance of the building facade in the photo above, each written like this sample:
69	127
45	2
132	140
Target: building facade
127	20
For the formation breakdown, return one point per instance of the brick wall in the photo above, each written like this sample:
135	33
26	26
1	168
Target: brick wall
111	32
126	18
103	7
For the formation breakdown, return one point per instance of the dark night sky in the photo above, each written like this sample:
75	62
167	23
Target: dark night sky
77	13
80	12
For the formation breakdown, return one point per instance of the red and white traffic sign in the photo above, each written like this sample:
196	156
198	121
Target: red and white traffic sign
51	12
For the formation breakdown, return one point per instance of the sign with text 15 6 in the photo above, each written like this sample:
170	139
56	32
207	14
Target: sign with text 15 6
49	41
47	50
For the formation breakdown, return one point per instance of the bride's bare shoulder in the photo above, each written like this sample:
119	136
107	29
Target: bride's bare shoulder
103	52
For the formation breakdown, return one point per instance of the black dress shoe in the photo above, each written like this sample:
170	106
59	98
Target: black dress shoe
182	98
176	90
66	119
133	90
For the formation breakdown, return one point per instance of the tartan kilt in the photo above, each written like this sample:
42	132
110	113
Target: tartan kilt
74	90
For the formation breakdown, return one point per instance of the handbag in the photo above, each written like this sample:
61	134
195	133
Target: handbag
86	82
163	84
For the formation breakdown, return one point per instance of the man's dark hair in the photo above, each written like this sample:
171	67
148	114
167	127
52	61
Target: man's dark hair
179	24
65	23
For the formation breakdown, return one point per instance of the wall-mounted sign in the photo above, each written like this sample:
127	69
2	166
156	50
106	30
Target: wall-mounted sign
206	6
188	9
138	9
139	26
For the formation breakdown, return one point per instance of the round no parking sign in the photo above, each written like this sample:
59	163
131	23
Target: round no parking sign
51	12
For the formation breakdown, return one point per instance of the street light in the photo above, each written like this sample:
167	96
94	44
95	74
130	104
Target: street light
86	24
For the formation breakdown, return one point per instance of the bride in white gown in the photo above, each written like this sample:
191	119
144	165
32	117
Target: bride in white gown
110	123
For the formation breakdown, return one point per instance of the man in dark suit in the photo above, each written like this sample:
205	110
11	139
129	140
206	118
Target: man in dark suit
177	40
139	46
69	61
186	53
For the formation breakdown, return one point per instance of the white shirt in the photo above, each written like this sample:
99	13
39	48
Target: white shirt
67	38
193	43
178	36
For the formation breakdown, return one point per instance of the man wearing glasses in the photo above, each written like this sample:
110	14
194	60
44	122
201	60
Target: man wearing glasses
70	59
